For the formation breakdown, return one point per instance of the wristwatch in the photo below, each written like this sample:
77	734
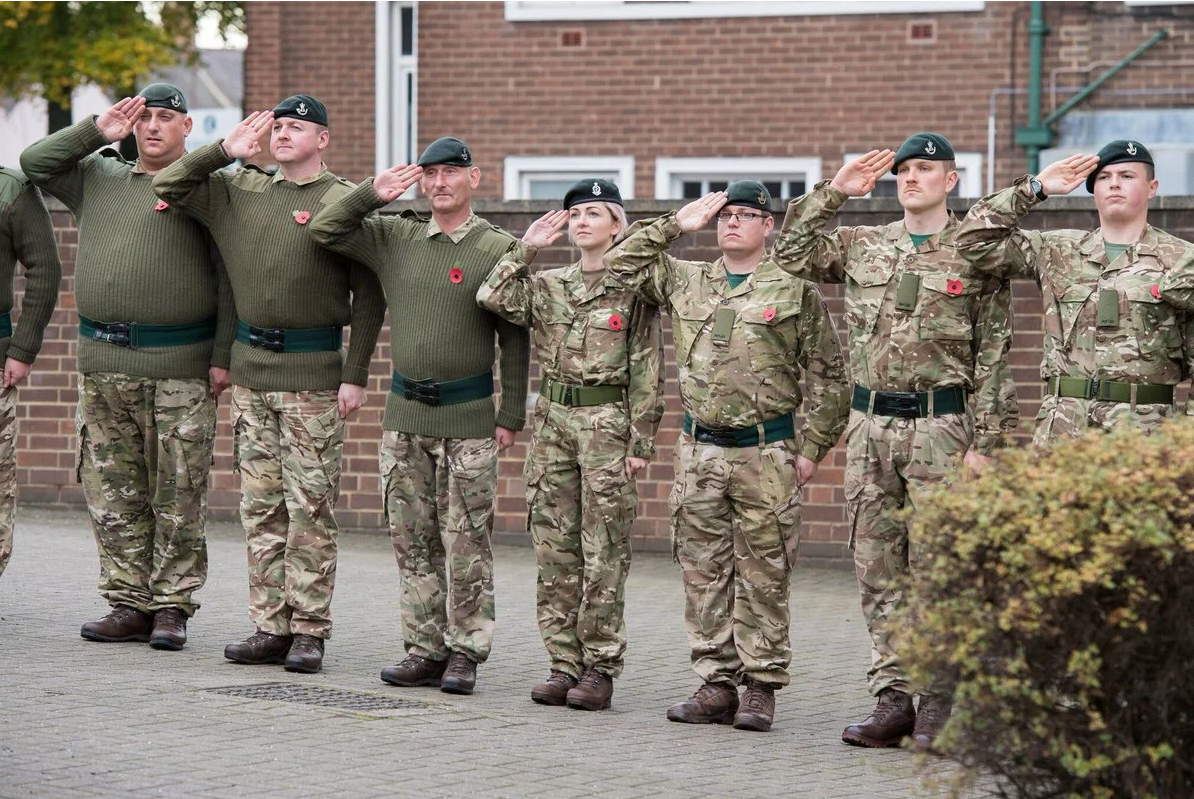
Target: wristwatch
1037	188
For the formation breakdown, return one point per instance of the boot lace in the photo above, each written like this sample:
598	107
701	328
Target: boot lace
458	665
592	679
561	678
708	692
756	698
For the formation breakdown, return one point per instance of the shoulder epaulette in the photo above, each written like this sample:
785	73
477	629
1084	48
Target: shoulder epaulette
112	152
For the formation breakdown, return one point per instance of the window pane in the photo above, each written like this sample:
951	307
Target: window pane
691	190
774	187
718	185
409	103
408	30
795	189
549	188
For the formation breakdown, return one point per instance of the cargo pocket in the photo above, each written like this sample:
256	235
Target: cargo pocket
193	436
473	477
387	462
675	501
80	442
853	502
532	476
787	516
325	431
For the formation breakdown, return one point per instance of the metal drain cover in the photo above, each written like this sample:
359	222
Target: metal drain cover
315	695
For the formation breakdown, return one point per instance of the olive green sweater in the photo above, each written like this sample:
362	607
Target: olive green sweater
136	262
26	235
437	330
280	277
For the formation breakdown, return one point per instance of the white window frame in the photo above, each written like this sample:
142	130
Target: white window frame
518	170
391	142
548	10
970	173
670	173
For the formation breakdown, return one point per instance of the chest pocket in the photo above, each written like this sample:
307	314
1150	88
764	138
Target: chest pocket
865	292
689	317
552	324
1151	319
1062	315
945	305
606	337
771	333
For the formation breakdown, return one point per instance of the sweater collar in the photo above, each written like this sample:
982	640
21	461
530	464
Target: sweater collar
323	170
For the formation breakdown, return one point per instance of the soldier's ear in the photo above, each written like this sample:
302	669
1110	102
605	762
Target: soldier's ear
768	223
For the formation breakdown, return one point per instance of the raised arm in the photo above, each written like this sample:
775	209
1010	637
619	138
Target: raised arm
345	226
507	290
803	248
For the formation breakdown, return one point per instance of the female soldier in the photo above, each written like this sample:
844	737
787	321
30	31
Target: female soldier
601	355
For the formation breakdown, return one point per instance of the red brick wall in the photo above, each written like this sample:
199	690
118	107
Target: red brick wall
817	86
47	436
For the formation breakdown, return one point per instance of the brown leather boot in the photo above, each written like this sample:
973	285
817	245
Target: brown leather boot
713	703
931	717
891	720
121	624
757	708
593	692
305	655
169	629
415	671
554	690
259	649
460	677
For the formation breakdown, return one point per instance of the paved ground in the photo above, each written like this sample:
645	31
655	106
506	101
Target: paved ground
81	719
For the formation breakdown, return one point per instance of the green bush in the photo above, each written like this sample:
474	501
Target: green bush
1057	599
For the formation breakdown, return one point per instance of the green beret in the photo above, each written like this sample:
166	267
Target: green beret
929	146
1118	152
304	107
446	150
164	95
750	193
592	190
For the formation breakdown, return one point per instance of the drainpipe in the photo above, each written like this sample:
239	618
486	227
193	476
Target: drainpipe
1034	136
1106	76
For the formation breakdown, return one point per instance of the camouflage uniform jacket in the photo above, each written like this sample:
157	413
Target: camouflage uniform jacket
780	330
955	331
1149	342
603	336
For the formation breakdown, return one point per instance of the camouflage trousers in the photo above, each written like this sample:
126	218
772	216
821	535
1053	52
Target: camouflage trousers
735	533
8	471
288	448
581	507
145	449
890	463
1069	417
439	495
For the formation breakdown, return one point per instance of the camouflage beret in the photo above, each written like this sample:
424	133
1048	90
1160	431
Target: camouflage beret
592	190
1118	152
750	193
164	95
446	150
928	146
304	107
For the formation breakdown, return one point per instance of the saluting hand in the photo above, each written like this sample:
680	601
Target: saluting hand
117	122
1062	177
545	230
858	177
697	213
244	141
391	184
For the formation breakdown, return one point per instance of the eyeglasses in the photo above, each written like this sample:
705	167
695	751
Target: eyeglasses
742	217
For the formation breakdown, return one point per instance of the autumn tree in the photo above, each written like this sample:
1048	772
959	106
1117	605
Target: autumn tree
48	48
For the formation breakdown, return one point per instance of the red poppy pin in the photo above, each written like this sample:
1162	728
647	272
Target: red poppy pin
953	287
768	314
302	217
1156	291
455	274
161	206
615	321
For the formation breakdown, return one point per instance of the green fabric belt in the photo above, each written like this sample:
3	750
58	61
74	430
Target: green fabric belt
911	404
295	339
777	429
1110	390
451	392
6	325
135	335
581	396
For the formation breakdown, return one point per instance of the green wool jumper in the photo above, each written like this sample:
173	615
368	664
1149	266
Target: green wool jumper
138	261
280	277
437	330
26	235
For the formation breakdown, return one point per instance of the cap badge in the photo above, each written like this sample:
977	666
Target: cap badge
1131	149
596	189
464	153
302	109
762	198
930	148
175	100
